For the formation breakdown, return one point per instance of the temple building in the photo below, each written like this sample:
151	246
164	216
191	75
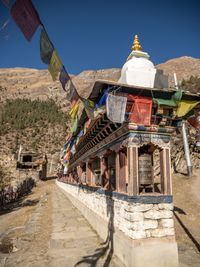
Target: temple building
111	158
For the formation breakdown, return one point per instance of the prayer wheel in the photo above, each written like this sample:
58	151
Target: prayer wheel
145	169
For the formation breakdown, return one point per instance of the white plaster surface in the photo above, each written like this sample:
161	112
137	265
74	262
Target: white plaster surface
140	71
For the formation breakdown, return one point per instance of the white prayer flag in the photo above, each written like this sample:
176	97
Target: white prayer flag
116	108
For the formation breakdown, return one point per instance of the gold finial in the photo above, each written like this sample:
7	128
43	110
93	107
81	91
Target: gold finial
136	44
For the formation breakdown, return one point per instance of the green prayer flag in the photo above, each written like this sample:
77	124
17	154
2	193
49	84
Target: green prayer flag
74	125
87	103
46	47
173	102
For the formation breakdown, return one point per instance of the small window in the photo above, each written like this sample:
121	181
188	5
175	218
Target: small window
27	158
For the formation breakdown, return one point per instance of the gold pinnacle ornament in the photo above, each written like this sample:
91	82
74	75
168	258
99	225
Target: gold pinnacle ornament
136	44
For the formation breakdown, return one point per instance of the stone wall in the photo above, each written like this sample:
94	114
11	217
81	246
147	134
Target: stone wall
138	230
136	220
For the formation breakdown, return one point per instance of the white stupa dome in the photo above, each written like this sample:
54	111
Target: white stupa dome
138	63
140	71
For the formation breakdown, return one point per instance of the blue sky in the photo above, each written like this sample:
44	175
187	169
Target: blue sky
94	34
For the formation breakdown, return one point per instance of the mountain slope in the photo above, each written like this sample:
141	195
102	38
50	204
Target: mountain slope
184	67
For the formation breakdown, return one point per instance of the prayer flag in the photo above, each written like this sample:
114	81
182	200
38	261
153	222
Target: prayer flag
74	125
86	126
185	106
99	111
173	102
67	155
89	107
46	47
194	121
88	104
26	17
116	107
90	113
102	100
72	94
64	77
74	110
74	98
73	149
55	65
141	109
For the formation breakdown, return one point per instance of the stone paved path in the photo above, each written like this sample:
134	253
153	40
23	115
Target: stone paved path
53	233
73	241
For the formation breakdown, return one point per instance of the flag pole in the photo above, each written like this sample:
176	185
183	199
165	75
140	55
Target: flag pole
185	138
186	149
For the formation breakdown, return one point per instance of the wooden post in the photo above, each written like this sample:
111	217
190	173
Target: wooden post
165	172
88	173
117	170
104	173
102	168
123	173
133	181
168	171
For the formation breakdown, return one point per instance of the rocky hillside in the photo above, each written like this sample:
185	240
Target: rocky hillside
28	83
184	67
32	83
35	84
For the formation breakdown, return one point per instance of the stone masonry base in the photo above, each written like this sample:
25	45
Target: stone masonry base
140	235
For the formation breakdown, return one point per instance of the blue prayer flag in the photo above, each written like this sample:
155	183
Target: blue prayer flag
64	77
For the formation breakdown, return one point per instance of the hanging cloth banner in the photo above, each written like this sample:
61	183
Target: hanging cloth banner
46	47
194	121
116	107
67	156
55	65
74	126
86	126
89	107
141	109
26	17
64	77
74	110
88	104
185	106
102	100
72	94
74	98
173	102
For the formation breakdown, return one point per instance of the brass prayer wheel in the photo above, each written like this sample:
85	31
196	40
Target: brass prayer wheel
145	169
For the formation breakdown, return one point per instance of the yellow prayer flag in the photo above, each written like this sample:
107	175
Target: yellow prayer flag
73	112
185	106
55	65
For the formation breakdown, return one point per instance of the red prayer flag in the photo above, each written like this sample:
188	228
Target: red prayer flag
141	109
194	121
26	17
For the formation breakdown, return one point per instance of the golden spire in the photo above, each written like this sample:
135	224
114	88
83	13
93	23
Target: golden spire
136	44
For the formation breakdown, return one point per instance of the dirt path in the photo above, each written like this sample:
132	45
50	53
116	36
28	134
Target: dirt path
52	232
187	218
46	230
25	231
